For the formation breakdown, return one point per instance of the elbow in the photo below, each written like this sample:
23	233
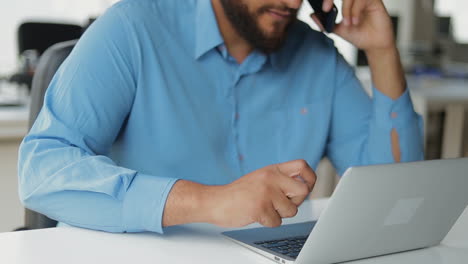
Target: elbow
28	177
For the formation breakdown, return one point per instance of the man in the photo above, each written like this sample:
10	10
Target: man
172	112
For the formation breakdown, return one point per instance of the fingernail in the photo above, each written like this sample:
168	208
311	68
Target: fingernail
346	21
355	20
326	6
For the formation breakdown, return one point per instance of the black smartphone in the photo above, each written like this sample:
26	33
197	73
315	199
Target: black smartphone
327	19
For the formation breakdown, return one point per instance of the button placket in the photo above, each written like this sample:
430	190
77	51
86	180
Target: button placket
235	120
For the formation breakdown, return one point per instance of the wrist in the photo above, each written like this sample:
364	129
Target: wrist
382	54
209	203
189	202
387	72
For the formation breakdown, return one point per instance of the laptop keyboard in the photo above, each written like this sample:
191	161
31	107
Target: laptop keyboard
288	246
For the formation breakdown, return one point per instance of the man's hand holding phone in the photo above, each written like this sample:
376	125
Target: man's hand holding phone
366	23
325	19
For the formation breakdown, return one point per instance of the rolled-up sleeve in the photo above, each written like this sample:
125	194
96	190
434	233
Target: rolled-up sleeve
399	115
361	125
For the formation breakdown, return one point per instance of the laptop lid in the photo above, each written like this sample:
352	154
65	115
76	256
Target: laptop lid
383	209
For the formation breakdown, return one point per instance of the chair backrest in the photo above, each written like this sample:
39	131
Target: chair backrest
40	36
49	62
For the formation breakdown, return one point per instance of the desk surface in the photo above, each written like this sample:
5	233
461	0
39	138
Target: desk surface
196	243
435	89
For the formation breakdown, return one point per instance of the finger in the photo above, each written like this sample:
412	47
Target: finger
285	207
347	6
341	30
317	21
299	168
293	189
327	5
270	217
356	11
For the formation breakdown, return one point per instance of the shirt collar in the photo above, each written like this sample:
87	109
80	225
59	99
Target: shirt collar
209	37
207	32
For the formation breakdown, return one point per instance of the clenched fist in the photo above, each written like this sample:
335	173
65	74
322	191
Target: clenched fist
264	196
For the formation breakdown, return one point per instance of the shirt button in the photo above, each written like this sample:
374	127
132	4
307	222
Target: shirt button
394	115
304	111
241	157
236	116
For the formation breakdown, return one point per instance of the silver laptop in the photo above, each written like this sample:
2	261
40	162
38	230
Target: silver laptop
375	210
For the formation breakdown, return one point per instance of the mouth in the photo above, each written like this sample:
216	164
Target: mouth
280	15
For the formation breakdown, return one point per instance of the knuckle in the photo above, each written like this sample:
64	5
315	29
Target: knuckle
262	220
303	190
346	11
293	211
266	221
303	163
277	222
271	221
356	12
297	200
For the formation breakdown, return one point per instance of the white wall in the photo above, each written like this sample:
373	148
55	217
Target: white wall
14	12
457	9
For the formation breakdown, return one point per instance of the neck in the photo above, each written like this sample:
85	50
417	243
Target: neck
238	47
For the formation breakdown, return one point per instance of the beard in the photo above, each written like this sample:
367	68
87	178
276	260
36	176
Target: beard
247	25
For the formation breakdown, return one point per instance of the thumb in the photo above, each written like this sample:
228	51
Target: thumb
317	21
342	30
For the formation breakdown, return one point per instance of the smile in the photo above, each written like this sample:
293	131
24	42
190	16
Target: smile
280	14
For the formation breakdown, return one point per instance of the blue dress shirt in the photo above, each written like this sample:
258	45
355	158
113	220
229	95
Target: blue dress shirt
150	95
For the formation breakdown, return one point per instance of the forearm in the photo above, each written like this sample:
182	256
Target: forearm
388	77
387	71
189	202
352	143
71	186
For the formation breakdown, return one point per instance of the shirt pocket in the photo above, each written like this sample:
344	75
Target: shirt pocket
304	132
283	134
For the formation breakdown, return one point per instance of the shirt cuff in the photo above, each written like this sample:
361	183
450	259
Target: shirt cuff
389	113
144	203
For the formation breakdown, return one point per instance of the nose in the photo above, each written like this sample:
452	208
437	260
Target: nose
294	4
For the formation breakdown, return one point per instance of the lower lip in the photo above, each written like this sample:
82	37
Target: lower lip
278	16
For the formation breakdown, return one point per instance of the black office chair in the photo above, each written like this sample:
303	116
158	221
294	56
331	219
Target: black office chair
39	36
48	65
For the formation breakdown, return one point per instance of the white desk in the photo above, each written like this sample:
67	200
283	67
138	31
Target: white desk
197	243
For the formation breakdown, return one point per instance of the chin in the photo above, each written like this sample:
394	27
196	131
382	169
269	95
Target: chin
275	35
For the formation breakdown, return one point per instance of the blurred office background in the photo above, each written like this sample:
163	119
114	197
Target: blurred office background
432	36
